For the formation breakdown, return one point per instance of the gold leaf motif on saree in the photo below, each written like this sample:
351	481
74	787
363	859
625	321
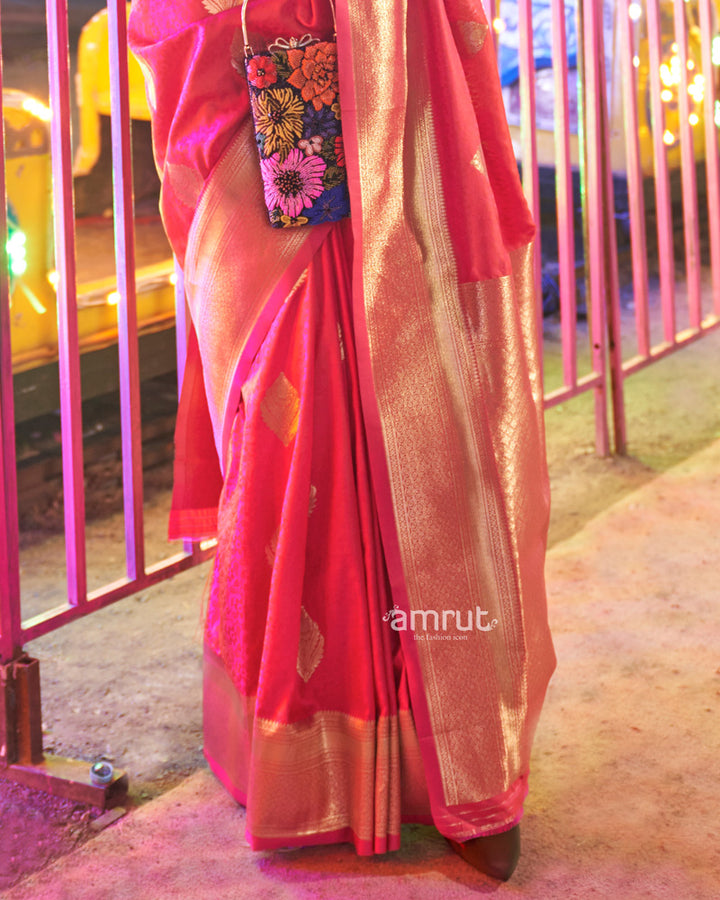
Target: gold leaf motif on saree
312	645
478	161
271	547
313	499
217	6
474	34
280	409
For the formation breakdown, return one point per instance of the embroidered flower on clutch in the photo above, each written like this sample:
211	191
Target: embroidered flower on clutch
290	221
294	183
315	73
278	116
310	146
261	72
319	121
340	151
331	205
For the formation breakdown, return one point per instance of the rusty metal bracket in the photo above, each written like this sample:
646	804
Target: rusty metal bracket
8	736
22	759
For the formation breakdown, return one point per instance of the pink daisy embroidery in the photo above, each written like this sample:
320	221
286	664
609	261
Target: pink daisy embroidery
312	145
292	184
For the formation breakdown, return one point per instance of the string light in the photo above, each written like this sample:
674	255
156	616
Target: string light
670	75
37	108
697	89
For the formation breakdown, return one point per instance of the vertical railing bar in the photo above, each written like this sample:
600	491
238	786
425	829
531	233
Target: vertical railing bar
10	612
491	10
635	187
595	214
528	139
663	210
612	275
69	352
564	197
131	424
712	151
582	143
182	325
691	228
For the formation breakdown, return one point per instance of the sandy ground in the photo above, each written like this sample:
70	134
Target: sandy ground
625	765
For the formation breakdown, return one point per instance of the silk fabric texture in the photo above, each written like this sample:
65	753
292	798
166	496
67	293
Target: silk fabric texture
440	284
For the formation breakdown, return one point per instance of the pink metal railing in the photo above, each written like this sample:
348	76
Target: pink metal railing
9	550
689	180
702	313
613	322
491	12
528	130
663	211
69	352
594	148
15	632
639	27
712	162
565	202
636	196
127	313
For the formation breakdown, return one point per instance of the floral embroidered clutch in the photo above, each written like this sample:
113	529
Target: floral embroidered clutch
296	112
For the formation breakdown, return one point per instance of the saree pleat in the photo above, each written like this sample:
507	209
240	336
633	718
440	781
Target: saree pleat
299	589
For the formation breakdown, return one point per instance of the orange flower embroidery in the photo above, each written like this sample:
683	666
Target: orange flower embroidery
315	73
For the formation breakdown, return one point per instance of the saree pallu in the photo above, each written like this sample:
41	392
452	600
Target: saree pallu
372	390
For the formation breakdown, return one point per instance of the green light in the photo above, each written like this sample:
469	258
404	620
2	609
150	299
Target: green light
17	252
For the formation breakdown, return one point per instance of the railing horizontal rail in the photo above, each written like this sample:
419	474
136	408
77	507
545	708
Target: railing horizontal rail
48	621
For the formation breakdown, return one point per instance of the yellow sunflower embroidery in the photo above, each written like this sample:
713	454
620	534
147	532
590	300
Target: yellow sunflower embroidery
278	116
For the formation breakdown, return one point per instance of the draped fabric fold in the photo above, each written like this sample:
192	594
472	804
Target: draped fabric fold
377	611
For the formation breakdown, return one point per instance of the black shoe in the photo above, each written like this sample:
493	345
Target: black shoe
496	855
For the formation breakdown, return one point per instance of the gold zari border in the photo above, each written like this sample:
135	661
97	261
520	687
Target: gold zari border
459	368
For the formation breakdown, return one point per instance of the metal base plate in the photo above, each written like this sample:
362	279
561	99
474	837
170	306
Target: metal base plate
69	778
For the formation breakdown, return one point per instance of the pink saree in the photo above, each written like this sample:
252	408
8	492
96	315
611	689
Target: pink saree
377	648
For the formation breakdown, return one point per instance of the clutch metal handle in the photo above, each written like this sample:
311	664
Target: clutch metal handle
248	48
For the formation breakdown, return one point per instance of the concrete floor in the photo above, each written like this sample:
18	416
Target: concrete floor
624	787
